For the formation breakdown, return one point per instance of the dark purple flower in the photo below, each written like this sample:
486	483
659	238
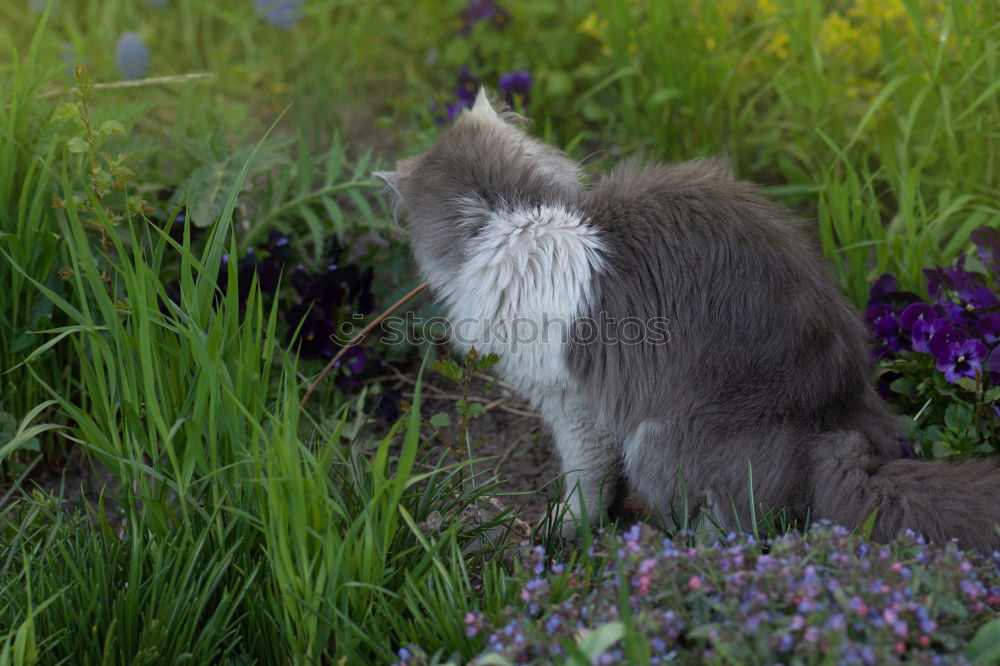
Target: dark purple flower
987	240
317	336
447	113
944	335
994	365
945	283
876	311
360	291
961	360
916	312
387	406
973	300
885	284
468	86
480	10
890	337
279	247
989	327
354	361
328	289
923	331
516	88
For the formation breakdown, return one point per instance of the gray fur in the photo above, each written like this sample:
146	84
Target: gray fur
766	364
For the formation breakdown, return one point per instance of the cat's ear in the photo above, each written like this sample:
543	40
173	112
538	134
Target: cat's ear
483	107
391	180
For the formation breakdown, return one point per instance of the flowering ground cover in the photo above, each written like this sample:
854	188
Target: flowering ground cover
189	232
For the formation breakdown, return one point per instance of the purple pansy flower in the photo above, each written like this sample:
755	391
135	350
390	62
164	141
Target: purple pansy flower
989	327
987	240
890	336
465	94
884	286
876	311
916	312
516	88
973	299
994	365
468	86
943	337
923	331
317	337
354	360
481	10
960	360
943	283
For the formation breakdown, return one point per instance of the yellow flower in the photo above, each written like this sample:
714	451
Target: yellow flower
593	26
767	7
880	10
778	46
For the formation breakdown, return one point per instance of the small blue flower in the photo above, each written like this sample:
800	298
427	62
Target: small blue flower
38	6
280	13
132	56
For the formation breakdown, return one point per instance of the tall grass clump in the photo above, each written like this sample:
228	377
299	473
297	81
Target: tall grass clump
29	238
887	111
243	527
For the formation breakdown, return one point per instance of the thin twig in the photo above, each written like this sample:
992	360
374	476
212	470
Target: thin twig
136	83
520	410
357	338
508	451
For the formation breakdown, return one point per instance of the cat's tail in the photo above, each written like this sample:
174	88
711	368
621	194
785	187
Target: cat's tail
940	500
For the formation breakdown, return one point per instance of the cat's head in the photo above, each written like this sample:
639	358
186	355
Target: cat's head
484	165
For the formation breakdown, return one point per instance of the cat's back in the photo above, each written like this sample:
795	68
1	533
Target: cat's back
683	203
756	319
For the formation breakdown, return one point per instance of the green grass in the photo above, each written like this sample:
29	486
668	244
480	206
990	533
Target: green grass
240	528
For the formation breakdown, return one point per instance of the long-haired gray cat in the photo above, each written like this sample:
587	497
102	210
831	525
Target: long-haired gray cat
672	327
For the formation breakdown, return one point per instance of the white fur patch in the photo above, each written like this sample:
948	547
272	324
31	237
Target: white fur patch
528	275
482	106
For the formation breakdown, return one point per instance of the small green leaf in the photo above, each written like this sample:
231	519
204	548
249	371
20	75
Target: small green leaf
992	395
109	127
941	450
869	525
487	362
77	145
440	420
448	369
475	409
902	386
984	648
967	384
594	643
957	416
67	111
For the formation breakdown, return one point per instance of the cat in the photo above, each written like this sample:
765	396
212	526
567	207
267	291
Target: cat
748	364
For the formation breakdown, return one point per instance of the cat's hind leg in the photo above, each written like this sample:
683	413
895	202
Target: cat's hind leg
590	459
